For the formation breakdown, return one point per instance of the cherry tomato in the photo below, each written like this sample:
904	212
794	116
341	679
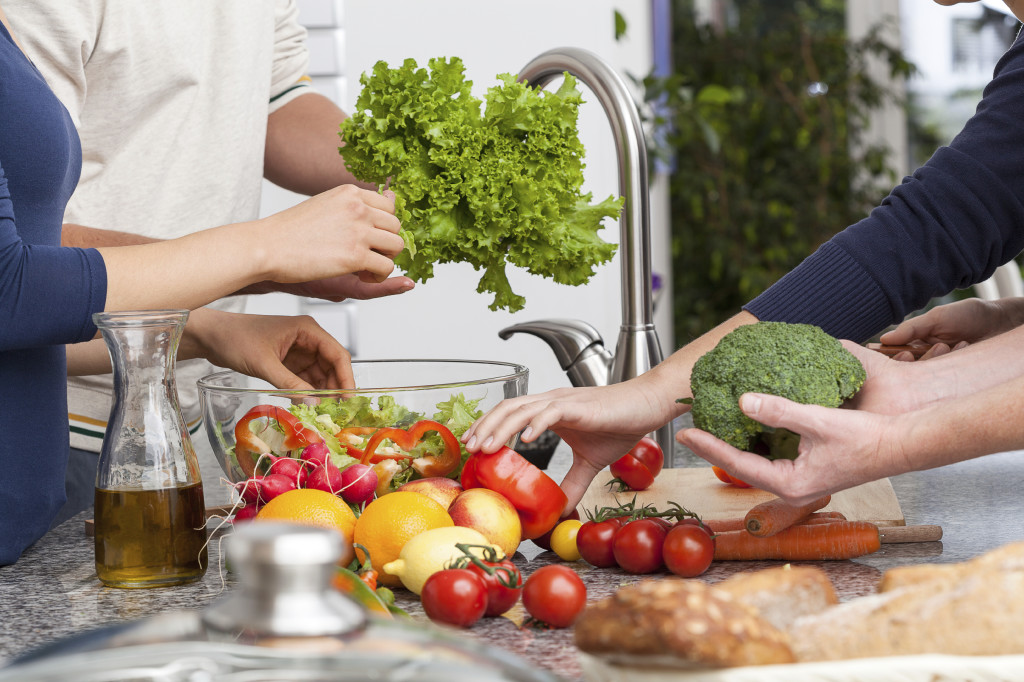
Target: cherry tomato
500	597
638	546
688	550
455	596
638	467
563	540
594	540
555	595
544	541
725	477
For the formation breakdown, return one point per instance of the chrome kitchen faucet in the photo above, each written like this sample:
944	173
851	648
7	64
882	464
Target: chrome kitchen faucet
577	345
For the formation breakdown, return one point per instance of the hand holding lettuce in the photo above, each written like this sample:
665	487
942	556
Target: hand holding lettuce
490	188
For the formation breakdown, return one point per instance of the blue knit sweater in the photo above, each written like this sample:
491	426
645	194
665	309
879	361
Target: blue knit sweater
948	226
47	297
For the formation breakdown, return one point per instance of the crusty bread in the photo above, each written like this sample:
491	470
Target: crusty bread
977	615
782	594
1006	558
680	623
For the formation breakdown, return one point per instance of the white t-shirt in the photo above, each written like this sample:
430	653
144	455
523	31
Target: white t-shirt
171	99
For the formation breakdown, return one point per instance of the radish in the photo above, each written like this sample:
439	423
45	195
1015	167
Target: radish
294	469
326	477
245	513
315	453
358	483
274	485
249	490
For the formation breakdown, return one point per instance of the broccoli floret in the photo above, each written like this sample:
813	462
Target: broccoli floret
796	361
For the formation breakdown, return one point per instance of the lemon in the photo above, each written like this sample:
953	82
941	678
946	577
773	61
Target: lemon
563	540
433	550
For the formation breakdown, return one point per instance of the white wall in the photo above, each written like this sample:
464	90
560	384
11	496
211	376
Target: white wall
445	317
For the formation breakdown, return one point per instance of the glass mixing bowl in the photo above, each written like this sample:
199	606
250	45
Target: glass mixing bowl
418	387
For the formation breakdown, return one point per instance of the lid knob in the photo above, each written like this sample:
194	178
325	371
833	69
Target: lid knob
284	572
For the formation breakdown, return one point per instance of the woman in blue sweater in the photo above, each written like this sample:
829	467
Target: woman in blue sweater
48	293
948	226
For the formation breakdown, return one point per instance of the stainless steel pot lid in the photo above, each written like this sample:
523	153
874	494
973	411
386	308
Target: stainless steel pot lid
284	622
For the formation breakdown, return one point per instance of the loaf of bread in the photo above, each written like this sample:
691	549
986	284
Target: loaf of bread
1006	558
679	623
782	594
969	609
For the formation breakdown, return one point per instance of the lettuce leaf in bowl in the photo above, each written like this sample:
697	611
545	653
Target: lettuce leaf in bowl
490	188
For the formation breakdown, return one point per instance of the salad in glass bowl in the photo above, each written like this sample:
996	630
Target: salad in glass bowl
402	422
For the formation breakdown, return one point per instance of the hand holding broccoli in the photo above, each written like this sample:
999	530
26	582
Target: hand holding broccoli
795	361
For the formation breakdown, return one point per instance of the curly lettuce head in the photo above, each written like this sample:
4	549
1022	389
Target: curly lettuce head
492	188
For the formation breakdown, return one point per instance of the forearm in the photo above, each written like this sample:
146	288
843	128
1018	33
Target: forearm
670	380
990	421
90	237
87	358
302	146
188	272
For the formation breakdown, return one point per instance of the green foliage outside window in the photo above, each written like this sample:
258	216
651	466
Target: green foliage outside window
762	120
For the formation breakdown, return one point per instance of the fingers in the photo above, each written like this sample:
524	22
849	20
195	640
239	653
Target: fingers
577	480
530	414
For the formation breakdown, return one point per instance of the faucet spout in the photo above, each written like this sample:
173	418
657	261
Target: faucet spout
638	348
578	347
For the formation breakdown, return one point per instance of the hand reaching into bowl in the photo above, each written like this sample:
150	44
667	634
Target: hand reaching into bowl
289	352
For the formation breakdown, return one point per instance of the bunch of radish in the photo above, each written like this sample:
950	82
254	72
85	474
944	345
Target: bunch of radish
314	469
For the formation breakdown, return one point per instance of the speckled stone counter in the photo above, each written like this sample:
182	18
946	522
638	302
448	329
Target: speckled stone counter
52	592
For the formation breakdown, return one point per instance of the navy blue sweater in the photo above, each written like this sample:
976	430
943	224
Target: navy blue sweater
47	297
948	226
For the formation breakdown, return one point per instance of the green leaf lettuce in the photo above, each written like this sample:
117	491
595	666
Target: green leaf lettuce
490	189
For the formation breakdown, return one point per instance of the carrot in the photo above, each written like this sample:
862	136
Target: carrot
768	518
726	525
810	542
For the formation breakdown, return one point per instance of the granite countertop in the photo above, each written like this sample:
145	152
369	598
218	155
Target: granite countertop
52	592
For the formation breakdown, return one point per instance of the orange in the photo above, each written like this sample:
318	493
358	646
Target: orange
310	507
388	522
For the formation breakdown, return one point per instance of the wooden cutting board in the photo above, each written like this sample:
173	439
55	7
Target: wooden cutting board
697	489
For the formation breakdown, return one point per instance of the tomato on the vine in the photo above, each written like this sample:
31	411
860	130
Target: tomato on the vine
504	584
639	467
688	550
555	595
455	596
637	546
594	539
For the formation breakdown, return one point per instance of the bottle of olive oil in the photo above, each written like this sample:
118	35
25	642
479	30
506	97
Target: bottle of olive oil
150	519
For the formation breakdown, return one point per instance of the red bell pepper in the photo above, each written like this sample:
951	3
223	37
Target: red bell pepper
535	495
440	464
256	422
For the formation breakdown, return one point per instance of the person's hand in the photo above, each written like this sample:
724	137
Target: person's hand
839	448
600	424
952	326
345	230
292	353
340	288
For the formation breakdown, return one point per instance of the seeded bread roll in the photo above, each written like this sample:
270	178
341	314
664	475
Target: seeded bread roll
782	594
679	623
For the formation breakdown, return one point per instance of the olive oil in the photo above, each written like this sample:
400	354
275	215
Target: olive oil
150	538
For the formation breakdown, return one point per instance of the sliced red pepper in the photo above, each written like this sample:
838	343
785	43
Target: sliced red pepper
440	464
535	495
360	432
248	444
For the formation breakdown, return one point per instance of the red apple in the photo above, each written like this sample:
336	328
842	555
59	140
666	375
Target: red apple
441	489
491	514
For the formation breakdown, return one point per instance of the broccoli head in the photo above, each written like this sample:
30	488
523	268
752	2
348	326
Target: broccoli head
796	361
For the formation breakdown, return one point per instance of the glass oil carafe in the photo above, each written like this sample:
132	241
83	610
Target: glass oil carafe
150	518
